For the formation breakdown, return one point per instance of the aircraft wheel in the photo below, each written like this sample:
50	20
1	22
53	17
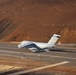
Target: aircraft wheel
34	51
46	50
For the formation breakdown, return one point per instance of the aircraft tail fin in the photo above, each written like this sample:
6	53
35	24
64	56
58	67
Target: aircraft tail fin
54	39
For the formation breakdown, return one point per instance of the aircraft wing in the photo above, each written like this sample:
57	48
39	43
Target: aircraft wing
33	47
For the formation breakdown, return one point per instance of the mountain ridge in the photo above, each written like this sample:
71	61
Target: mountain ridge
37	20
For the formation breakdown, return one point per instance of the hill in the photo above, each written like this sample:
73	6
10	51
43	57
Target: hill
37	20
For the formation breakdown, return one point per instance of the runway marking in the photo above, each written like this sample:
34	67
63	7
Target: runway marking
40	68
38	55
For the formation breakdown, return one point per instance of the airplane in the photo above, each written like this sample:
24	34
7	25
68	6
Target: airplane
40	46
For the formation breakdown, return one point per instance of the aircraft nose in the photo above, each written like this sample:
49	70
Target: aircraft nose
19	46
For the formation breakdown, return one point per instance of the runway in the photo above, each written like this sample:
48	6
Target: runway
55	55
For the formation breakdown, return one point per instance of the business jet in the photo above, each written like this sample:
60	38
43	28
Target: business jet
40	46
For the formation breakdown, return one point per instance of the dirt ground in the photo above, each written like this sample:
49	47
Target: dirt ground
20	64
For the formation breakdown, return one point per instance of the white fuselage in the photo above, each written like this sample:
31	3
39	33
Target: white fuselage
44	45
39	44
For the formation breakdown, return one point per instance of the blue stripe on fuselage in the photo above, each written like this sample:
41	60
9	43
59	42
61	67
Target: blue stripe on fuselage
33	46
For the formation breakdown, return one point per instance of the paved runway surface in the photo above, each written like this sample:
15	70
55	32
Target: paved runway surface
54	56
